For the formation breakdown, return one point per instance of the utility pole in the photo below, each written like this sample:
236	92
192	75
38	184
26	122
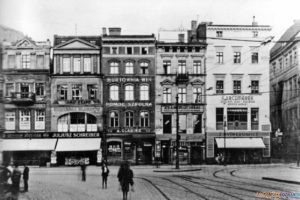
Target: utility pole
177	134
224	139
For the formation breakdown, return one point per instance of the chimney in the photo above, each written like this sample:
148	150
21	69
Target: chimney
114	31
193	24
104	31
254	23
181	37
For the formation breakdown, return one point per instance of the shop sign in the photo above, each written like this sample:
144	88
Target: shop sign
77	161
59	110
52	135
128	79
237	100
129	104
129	130
182	108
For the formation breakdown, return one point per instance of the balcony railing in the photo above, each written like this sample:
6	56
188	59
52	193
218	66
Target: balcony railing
23	97
182	78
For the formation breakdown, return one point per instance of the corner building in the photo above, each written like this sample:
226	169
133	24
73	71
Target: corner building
128	68
238	119
76	100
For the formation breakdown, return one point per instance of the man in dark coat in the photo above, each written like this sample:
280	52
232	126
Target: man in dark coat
26	177
83	172
125	177
15	178
105	172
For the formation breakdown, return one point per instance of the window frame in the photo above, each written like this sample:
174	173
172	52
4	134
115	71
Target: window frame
237	87
129	94
167	95
182	92
114	93
254	86
129	67
114	121
129	119
25	60
220	57
237	57
144	120
197	65
114	67
197	94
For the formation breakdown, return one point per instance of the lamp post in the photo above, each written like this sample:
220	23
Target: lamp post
177	134
225	140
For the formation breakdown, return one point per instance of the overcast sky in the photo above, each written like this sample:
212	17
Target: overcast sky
41	19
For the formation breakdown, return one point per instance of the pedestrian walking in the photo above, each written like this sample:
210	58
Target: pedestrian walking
125	177
83	172
15	178
105	172
26	177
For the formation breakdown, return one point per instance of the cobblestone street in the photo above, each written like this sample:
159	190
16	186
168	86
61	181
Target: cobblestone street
211	182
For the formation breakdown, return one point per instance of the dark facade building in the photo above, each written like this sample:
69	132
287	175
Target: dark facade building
26	101
76	100
128	68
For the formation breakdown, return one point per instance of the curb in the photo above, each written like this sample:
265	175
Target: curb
175	170
281	180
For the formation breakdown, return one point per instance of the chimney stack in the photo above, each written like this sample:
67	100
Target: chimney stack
254	23
181	37
193	24
114	31
104	31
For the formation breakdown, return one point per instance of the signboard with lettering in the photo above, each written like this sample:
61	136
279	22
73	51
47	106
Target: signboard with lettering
237	100
129	104
52	135
128	79
60	110
182	108
128	130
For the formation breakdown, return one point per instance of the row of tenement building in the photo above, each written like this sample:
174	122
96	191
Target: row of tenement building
116	97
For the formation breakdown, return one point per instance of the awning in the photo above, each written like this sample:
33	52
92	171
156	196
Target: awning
28	144
80	144
240	143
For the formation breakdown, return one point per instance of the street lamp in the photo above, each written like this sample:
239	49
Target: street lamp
225	140
177	134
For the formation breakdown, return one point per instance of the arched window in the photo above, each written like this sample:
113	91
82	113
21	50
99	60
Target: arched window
114	68
144	92
129	119
129	93
129	67
77	122
114	119
63	123
144	68
144	119
114	92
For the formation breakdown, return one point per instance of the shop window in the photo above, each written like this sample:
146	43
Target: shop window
10	88
87	64
129	119
114	149
254	87
181	95
39	89
66	65
26	61
129	68
144	119
144	68
197	95
220	57
167	66
129	93
10	120
144	92
167	95
254	58
167	126
237	57
114	68
219	118
181	67
62	92
182	123
254	118
76	92
114	119
39	120
197	67
237	118
24	120
219	87
236	87
77	122
114	92
91	124
197	119
92	91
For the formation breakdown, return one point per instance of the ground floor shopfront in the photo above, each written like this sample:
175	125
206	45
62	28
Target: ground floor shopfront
191	149
238	147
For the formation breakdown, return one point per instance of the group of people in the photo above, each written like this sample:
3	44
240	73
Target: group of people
11	178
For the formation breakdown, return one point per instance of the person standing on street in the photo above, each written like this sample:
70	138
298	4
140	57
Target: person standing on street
83	172
125	177
15	178
105	172
25	177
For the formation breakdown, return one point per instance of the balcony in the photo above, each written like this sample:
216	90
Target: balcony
182	78
23	97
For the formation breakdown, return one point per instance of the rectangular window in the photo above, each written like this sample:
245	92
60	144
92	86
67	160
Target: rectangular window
197	95
197	67
182	95
39	119
237	57
87	64
181	67
92	92
220	87
10	120
66	65
254	87
76	92
219	33
144	50
237	87
167	66
182	123
24	120
197	119
76	64
62	92
220	57
39	89
129	50
40	61
26	61
254	58
237	118
25	89
77	122
167	126
129	119
254	118
167	95
114	50
10	88
11	61
219	118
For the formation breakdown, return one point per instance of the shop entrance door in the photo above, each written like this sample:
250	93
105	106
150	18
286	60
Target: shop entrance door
165	154
148	154
196	155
